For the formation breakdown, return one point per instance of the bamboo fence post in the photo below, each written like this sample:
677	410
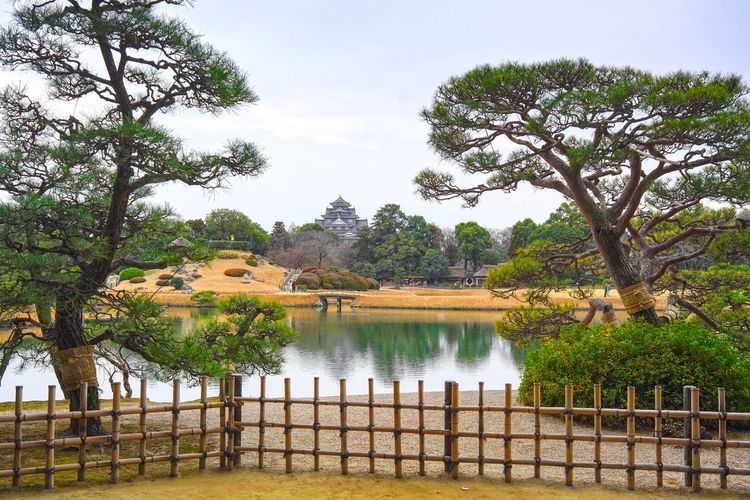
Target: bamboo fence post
237	435
723	437
114	472
454	430
569	435
420	392
631	437
508	434
686	395
262	421
288	425
17	437
230	423
397	428
49	470
316	424
343	434
537	431
480	425
83	392
695	437
142	429
175	456
223	424
447	393
598	433
202	423
658	432
371	421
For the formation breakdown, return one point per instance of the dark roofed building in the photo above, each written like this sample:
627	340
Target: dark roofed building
341	218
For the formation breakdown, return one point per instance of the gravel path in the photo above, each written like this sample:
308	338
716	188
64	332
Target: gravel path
468	447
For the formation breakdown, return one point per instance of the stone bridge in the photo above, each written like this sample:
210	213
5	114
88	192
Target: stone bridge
324	298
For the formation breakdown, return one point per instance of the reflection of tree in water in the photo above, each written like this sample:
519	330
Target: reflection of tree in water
474	343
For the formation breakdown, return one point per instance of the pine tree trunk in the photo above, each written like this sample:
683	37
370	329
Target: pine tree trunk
69	335
622	271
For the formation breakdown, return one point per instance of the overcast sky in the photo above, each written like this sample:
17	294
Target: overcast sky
341	85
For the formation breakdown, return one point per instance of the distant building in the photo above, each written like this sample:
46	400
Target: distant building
341	218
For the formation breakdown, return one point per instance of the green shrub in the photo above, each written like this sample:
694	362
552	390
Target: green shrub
236	272
302	288
137	279
230	245
327	286
162	283
177	282
130	272
333	269
310	269
227	254
270	263
373	283
251	262
311	280
641	355
204	298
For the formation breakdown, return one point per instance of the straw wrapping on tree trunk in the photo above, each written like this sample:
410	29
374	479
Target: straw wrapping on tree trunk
77	366
636	298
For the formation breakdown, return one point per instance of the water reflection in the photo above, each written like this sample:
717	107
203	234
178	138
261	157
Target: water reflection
357	344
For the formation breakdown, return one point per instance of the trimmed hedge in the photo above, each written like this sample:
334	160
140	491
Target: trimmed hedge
641	355
131	272
162	283
165	276
251	262
137	279
227	254
315	278
230	245
236	272
204	298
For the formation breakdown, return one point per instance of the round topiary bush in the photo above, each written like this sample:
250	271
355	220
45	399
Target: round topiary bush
204	298
641	355
177	282
236	272
311	280
373	284
162	283
137	279
130	272
251	262
227	254
165	276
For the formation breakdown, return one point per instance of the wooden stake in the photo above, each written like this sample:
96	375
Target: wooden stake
18	437
598	433
237	435
230	423
342	422
316	424
49	471
658	432
569	435
537	431
114	467
397	427
262	422
420	392
83	392
454	430
223	424
631	437
175	456
508	432
371	421
695	437
142	429
723	437
288	425
202	423
480	425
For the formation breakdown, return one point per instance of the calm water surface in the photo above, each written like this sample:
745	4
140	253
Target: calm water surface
356	344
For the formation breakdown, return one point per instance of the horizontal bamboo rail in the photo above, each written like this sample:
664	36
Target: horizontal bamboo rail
507	457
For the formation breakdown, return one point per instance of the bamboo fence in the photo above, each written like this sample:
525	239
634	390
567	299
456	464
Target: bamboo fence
113	440
396	433
507	458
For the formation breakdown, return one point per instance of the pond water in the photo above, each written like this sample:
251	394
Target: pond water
355	344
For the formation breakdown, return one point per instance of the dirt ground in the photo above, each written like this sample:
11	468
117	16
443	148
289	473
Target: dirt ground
268	278
257	484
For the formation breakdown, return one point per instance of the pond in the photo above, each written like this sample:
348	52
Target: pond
356	344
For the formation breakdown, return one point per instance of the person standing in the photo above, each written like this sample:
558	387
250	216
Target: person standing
607	288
